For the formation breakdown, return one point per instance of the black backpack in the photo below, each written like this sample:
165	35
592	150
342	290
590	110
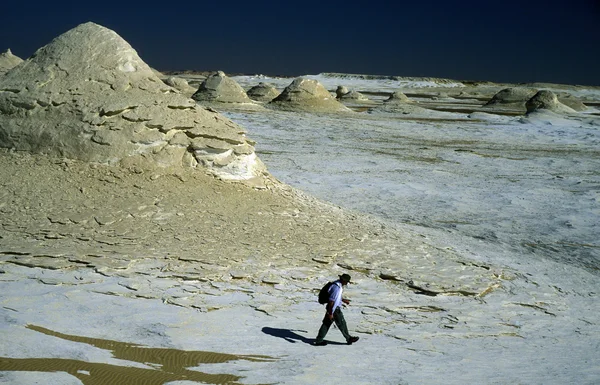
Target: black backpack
324	293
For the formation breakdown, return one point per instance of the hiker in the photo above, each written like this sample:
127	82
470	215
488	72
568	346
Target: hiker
334	312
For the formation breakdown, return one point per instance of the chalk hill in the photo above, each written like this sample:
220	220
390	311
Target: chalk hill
87	95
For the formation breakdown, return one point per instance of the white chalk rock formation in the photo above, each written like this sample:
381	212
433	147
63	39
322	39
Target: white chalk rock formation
341	91
263	92
400	104
512	96
87	95
220	88
397	98
307	95
180	84
8	61
571	101
354	95
547	100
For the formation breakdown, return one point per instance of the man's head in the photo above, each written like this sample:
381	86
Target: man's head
345	279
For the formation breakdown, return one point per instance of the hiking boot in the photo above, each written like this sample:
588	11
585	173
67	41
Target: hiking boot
352	340
320	343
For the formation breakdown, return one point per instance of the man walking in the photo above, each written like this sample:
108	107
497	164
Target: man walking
334	312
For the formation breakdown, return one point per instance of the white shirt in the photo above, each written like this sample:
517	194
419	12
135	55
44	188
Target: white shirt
335	295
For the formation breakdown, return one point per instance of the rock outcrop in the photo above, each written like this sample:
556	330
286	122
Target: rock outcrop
512	96
181	85
307	95
571	101
547	100
341	91
263	92
87	95
8	61
355	96
397	98
220	88
398	103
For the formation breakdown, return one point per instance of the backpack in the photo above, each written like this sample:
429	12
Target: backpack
324	293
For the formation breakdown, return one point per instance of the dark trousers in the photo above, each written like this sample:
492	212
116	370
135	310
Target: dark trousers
340	322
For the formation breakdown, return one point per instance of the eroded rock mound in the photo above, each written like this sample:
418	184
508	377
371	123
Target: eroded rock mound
307	95
87	95
341	91
397	98
8	61
263	92
220	88
571	101
180	84
354	95
547	100
512	95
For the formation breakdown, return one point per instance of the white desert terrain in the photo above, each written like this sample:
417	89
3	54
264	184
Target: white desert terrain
172	229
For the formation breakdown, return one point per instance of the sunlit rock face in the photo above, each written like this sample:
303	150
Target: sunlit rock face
220	88
547	100
8	61
307	95
87	95
263	92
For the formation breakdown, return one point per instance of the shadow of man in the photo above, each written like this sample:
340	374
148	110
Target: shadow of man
288	335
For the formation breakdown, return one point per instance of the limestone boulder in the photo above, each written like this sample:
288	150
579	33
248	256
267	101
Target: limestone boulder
220	88
397	98
547	100
512	95
180	84
88	95
8	61
307	95
341	91
399	103
263	92
354	96
571	101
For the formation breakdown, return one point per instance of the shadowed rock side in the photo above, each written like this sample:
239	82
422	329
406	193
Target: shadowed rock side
547	100
8	61
307	95
87	95
263	92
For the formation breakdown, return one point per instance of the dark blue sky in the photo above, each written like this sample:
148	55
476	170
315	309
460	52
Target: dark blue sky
504	41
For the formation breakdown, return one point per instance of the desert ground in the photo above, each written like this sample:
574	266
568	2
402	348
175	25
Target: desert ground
157	273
